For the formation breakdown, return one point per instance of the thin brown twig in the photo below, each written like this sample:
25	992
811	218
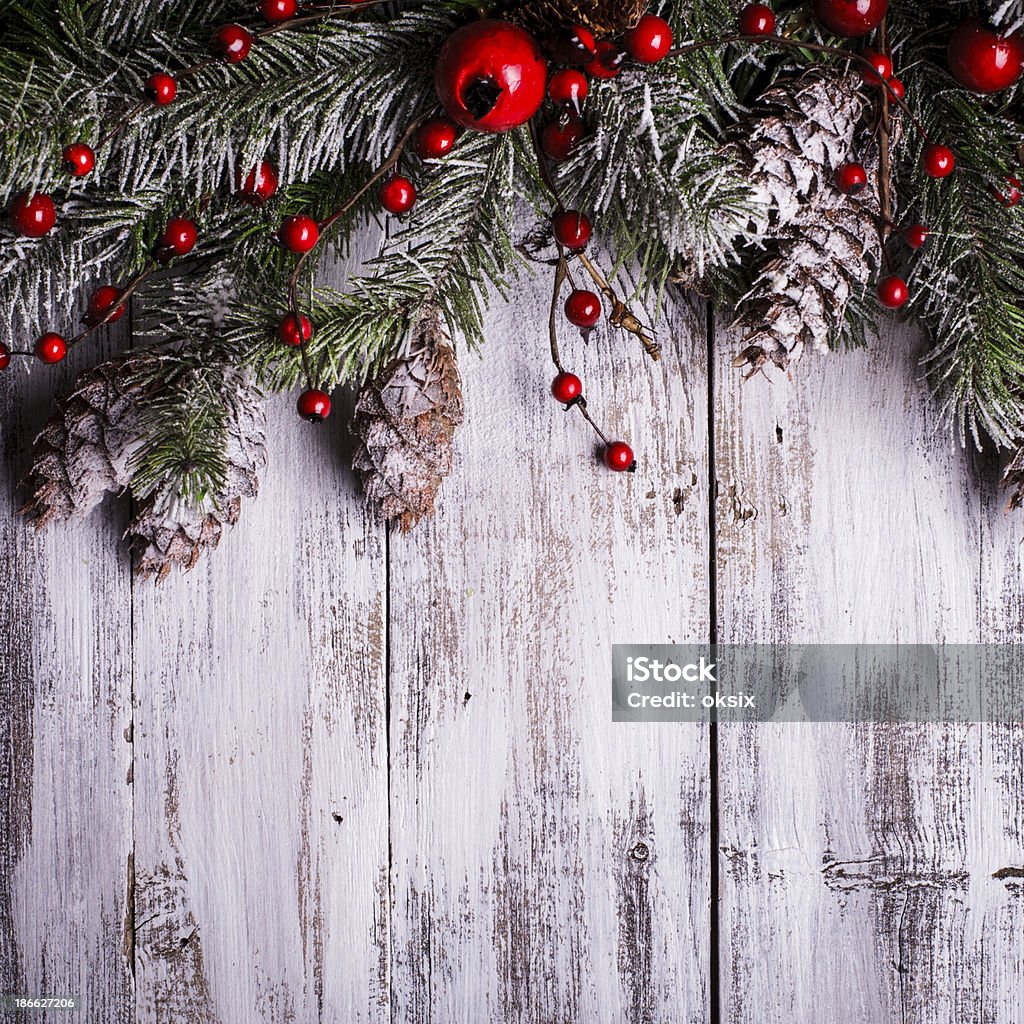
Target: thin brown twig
620	315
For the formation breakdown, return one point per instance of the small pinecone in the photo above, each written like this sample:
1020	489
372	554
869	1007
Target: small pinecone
404	425
603	17
1013	477
821	246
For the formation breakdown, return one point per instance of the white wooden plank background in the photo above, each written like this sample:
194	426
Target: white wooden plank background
337	774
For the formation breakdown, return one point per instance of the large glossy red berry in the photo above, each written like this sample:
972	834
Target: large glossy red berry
881	68
314	405
101	302
435	139
850	18
938	161
650	40
566	387
289	331
161	89
5	356
32	215
178	239
572	229
583	308
608	62
916	235
851	178
299	233
568	88
573	45
78	159
231	43
51	348
984	60
278	10
259	184
618	456
397	194
559	138
490	76
892	292
757	20
1010	194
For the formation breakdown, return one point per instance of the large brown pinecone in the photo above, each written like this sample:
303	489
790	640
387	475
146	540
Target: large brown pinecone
404	425
820	246
602	17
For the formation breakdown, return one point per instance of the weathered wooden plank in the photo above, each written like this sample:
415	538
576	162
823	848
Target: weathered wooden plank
858	862
65	709
547	864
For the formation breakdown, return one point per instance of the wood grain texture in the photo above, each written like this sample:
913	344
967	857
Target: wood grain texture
859	861
65	698
548	865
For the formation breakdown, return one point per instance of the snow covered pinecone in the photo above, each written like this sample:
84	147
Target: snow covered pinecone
602	17
404	425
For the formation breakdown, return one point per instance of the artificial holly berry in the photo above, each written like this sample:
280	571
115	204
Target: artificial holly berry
881	68
435	139
984	60
78	159
101	302
618	456
1011	193
650	41
897	88
51	348
757	20
231	43
299	233
259	184
850	18
178	239
32	215
573	45
490	76
608	62
161	89
568	88
289	331
314	405
892	292
559	138
938	161
567	387
851	178
397	194
5	356
583	308
916	235
572	229
278	10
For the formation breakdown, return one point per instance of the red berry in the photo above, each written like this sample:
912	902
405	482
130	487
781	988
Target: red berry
938	161
299	233
982	59
850	17
231	43
916	235
897	88
757	20
32	215
573	45
559	138
566	387
5	356
101	302
882	66
619	457
178	239
288	330
51	348
259	184
435	139
583	308
161	89
397	194
572	229
314	405
1011	194
892	292
78	159
650	41
608	62
568	88
278	10
851	178
490	76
